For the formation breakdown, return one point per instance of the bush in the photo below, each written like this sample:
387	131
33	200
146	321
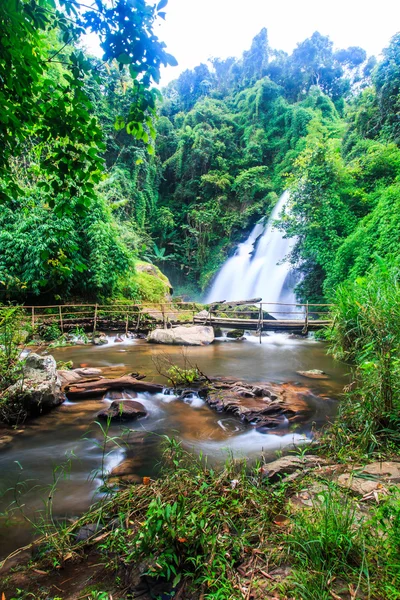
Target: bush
50	332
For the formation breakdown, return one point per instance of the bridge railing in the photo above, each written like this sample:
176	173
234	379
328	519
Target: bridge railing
131	316
69	316
298	310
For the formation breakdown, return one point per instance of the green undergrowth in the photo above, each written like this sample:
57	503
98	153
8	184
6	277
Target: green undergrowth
366	335
224	533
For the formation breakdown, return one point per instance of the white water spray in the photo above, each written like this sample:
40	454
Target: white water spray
264	274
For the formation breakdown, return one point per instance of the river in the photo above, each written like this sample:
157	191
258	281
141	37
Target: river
69	436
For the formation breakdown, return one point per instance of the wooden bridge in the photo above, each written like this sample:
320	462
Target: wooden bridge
255	315
247	315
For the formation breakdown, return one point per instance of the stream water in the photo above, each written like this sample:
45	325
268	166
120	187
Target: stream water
69	434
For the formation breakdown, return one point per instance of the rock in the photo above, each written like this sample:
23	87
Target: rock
371	478
103	385
389	470
87	531
68	377
118	340
313	374
286	465
39	390
129	466
100	339
194	335
121	395
264	406
235	334
148	275
5	440
203	314
358	485
127	410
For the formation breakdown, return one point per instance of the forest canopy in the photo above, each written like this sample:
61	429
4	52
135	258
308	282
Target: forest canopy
98	171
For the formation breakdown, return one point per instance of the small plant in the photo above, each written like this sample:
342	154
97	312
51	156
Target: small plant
11	367
64	365
97	595
80	334
326	544
385	526
49	332
179	376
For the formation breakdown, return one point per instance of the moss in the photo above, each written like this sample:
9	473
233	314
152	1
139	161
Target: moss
151	288
146	284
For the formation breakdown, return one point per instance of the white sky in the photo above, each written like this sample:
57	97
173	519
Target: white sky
196	30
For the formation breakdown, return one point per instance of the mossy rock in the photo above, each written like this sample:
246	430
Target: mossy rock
146	284
235	334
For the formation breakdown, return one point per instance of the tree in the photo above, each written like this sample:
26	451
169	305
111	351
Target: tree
387	81
54	112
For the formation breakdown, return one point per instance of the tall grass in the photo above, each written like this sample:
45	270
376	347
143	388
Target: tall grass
366	334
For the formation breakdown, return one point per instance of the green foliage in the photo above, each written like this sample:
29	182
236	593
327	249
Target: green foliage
326	545
62	122
375	234
38	99
366	333
385	522
42	254
146	284
182	376
11	335
50	332
199	529
387	81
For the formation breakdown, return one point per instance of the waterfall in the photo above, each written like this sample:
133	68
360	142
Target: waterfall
258	267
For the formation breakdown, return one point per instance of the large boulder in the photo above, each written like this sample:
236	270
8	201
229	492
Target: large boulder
194	335
39	389
127	410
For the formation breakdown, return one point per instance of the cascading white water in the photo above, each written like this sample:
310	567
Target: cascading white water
264	274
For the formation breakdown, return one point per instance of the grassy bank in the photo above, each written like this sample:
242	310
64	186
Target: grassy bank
237	532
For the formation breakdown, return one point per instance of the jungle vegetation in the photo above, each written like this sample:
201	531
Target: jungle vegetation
98	171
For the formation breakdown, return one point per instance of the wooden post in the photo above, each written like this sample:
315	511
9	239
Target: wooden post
61	320
33	317
95	318
305	329
163	316
259	320
138	321
126	324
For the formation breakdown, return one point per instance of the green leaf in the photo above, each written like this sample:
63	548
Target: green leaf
171	60
124	59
